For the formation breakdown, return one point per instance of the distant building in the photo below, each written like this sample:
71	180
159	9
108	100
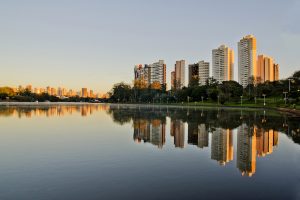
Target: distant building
29	88
203	72
155	72
53	92
180	73
139	74
222	63
59	92
173	77
84	92
267	70
36	90
48	89
247	59
193	73
91	94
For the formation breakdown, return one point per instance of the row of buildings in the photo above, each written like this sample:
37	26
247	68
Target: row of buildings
60	92
251	67
252	142
150	74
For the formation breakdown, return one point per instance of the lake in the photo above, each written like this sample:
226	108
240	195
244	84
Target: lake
102	151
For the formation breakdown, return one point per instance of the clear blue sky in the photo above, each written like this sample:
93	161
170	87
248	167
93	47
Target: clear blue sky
94	44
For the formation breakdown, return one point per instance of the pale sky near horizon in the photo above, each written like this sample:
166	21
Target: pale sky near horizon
94	44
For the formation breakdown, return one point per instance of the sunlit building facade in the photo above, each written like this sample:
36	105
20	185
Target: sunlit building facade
247	59
203	72
155	72
173	77
84	92
222	63
180	73
267	70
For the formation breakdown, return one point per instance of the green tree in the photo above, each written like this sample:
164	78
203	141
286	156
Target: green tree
121	92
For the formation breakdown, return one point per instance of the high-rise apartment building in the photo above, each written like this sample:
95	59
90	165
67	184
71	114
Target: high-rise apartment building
53	92
29	88
48	90
247	59
84	92
203	72
152	73
222	63
173	76
139	72
193	73
180	73
91	94
155	72
59	91
267	70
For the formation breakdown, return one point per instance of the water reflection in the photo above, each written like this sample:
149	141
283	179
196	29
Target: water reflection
257	132
50	111
153	131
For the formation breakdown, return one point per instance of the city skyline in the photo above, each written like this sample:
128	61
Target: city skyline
88	49
61	92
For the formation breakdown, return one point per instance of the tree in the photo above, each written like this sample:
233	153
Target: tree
198	93
194	82
156	85
139	84
231	89
121	92
296	74
213	93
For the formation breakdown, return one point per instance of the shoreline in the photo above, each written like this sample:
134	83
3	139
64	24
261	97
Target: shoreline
44	103
36	104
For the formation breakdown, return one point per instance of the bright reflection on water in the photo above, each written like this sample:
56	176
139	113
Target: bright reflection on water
130	152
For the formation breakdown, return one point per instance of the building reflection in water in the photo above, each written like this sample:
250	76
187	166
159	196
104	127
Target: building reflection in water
246	150
265	141
198	135
222	146
255	137
52	111
253	142
153	131
177	131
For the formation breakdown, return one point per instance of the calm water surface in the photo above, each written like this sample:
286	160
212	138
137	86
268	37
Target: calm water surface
132	152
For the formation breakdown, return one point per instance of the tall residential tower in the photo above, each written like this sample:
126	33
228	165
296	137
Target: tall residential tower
222	63
247	59
267	70
180	73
